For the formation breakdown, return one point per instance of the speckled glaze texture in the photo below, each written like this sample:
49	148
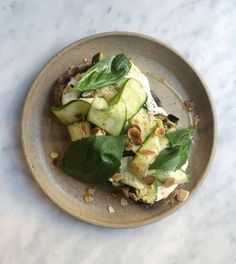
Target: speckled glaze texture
32	229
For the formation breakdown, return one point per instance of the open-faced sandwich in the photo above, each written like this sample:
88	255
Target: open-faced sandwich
119	131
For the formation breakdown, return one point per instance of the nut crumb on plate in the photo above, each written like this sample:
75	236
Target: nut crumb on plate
54	155
189	105
88	198
133	196
110	209
196	120
123	202
114	195
117	177
182	195
126	191
89	194
169	182
90	191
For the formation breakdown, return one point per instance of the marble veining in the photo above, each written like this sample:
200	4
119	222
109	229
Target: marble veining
32	229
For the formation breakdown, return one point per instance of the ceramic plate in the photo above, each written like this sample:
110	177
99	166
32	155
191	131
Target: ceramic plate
171	78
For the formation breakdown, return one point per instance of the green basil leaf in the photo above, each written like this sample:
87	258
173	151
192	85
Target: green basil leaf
167	159
174	157
180	137
94	159
106	72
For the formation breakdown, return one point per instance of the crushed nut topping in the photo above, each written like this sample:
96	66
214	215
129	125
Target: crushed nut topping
149	180
90	191
88	198
54	155
117	177
98	131
89	194
114	195
133	196
136	168
182	195
126	191
189	105
134	135
196	120
85	60
137	126
129	147
160	132
147	152
110	209
169	182
123	202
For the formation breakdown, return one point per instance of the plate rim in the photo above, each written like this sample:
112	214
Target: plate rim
51	195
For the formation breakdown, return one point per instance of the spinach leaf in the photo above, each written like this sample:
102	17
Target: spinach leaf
174	157
180	137
94	159
106	72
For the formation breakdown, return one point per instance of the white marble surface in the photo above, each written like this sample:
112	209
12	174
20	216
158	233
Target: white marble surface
32	229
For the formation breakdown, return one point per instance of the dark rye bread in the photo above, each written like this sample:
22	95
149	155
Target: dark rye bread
72	71
64	79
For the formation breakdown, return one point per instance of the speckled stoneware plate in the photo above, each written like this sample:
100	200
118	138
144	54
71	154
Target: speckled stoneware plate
171	78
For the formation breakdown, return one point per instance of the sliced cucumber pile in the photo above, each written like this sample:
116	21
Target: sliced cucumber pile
110	118
147	153
133	95
79	130
145	121
73	111
179	175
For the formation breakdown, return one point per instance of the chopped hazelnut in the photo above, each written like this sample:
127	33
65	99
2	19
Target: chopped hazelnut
88	198
133	196
134	135
126	191
110	209
182	195
54	155
169	182
117	177
129	147
149	180
189	105
90	191
196	120
114	195
123	202
147	152
160	132
137	126
136	168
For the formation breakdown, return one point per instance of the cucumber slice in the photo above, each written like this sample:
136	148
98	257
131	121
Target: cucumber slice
145	121
79	130
179	175
132	95
88	100
147	153
110	118
72	112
